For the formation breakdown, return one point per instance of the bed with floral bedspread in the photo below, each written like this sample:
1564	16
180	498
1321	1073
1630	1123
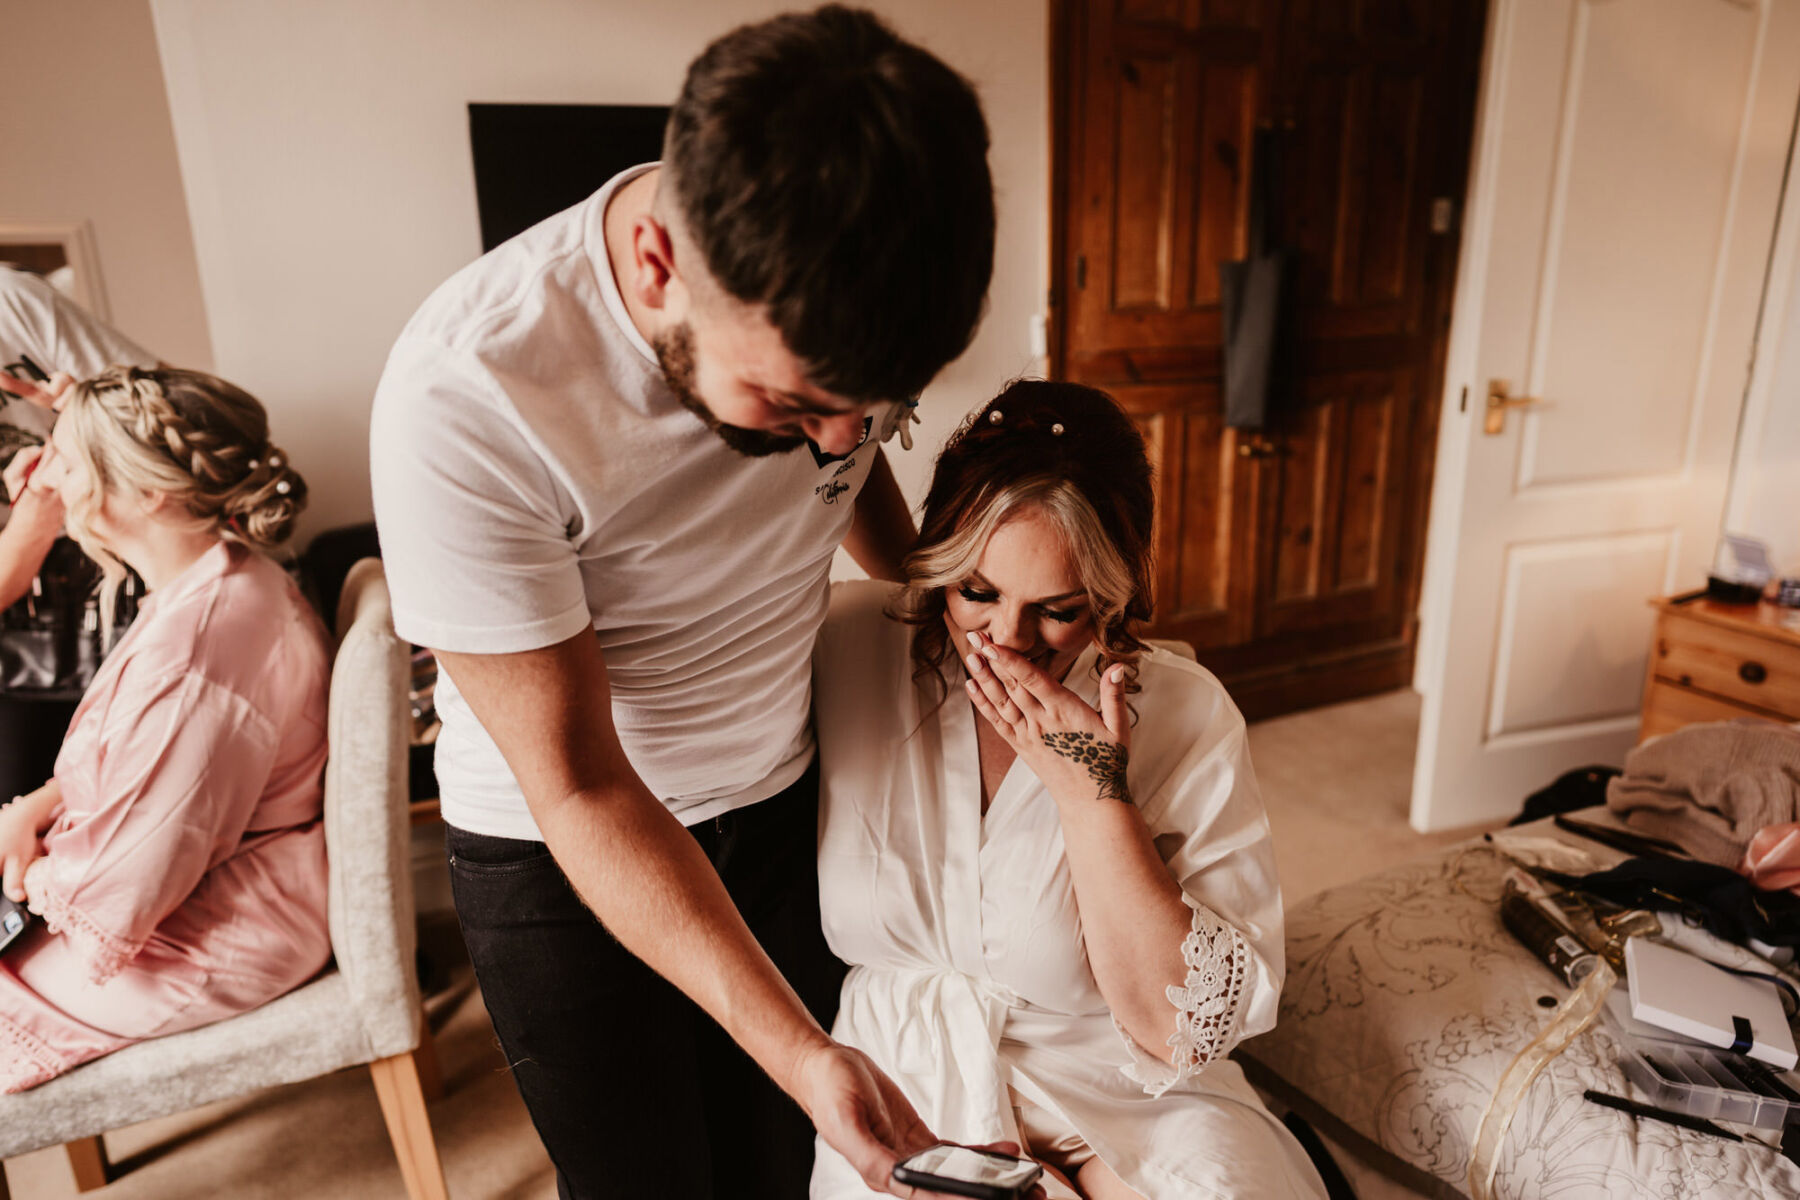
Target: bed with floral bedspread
1405	1001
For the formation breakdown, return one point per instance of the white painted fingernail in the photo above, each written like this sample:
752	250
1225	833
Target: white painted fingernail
1118	674
989	651
972	662
974	639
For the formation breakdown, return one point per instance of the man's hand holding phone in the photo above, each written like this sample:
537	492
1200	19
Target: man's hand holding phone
993	1172
863	1116
859	1112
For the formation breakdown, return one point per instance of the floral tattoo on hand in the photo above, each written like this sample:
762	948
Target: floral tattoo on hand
1105	761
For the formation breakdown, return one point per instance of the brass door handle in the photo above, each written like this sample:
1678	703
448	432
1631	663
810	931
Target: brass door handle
1500	399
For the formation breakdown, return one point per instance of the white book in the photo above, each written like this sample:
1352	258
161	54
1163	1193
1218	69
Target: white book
1674	990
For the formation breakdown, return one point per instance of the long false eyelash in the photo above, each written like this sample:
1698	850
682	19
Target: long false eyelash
1062	616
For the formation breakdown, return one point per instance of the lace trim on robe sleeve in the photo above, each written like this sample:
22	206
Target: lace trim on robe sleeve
1207	1006
105	954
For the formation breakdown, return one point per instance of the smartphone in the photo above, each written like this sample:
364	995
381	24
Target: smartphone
14	917
961	1171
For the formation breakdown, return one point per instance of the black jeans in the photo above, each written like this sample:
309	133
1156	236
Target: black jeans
635	1091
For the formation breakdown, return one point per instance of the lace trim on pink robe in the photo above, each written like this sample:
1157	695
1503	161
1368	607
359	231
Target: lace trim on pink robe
105	954
27	1061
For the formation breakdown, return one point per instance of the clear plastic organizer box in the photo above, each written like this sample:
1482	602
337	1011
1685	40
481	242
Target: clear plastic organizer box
1688	1077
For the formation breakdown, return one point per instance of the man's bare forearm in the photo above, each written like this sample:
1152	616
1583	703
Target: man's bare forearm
653	888
881	531
631	862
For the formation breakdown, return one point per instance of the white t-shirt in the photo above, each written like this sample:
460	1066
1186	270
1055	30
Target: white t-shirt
535	476
57	334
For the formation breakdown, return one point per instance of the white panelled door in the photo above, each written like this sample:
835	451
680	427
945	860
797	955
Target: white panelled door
1628	172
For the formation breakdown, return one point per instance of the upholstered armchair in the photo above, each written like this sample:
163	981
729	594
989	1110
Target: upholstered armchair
364	1008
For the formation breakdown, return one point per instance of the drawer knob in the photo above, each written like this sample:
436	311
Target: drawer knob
1752	672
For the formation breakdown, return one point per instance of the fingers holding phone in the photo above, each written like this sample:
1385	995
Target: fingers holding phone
864	1117
980	1172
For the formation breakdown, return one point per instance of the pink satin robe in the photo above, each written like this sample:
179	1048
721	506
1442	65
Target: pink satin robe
184	872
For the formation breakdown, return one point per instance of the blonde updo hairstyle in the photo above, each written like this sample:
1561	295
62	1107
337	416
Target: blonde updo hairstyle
196	439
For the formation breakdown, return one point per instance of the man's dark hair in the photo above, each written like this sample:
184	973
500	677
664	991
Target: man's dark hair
838	175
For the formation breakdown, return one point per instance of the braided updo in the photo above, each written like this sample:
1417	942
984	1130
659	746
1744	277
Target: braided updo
200	441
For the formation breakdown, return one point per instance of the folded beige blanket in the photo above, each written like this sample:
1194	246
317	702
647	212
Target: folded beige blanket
1709	788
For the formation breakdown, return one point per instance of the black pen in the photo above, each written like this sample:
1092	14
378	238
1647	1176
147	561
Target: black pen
1620	839
1697	1124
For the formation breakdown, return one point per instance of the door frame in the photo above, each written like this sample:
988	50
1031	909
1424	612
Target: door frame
1444	511
1056	307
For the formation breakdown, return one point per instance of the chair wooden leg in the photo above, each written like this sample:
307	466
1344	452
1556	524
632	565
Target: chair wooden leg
403	1105
87	1158
431	1077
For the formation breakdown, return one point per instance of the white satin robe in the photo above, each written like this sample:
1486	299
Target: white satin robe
969	979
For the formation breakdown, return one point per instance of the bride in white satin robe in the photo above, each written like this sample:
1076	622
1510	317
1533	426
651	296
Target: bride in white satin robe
970	980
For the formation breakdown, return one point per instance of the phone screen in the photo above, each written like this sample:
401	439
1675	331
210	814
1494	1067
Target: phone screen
973	1166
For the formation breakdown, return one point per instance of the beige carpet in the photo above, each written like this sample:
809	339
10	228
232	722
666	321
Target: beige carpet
1337	783
1335	780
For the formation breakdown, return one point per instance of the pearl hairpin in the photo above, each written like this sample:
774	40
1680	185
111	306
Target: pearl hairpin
1056	430
994	417
282	488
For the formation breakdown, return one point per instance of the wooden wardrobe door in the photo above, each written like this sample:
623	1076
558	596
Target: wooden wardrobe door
1166	93
1160	105
1366	94
1290	559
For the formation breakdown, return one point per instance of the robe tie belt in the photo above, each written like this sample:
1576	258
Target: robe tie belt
947	1027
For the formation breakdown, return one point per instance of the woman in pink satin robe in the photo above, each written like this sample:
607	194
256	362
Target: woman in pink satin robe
177	857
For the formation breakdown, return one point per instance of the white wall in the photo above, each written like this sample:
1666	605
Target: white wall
325	149
84	123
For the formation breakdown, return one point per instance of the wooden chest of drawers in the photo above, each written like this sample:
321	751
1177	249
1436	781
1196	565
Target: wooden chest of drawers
1713	662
